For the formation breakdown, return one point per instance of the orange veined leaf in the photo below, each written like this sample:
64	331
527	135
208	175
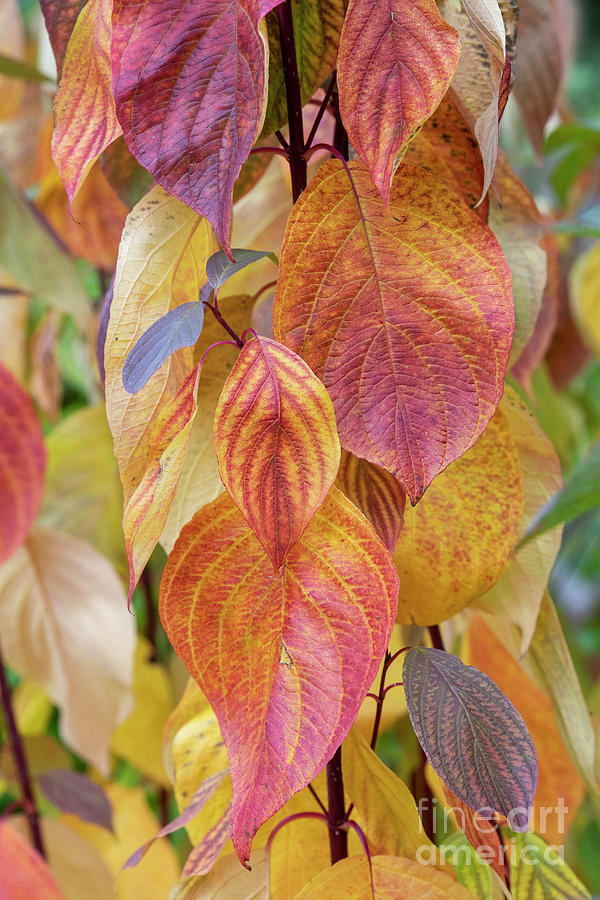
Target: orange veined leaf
395	62
85	119
276	443
60	17
161	265
457	542
376	493
22	464
331	608
446	147
406	316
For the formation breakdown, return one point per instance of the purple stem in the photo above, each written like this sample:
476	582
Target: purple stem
16	745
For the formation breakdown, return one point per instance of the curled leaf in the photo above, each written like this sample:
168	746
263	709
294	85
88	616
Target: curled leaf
220	267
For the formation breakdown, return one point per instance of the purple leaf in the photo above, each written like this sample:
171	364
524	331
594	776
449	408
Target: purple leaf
219	267
180	327
75	793
472	735
202	795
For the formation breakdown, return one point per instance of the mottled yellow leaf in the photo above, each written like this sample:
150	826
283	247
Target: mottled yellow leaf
584	296
457	541
139	738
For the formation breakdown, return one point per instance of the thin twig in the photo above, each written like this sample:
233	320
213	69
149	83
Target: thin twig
320	114
16	745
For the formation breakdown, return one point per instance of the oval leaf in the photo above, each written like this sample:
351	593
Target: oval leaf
180	327
410	342
220	267
331	609
472	734
395	63
191	117
65	626
75	793
276	443
22	464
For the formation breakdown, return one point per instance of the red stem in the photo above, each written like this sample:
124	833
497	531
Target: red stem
224	324
320	113
16	744
336	816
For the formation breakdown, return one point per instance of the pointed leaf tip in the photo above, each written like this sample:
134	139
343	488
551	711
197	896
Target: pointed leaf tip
221	265
180	327
472	734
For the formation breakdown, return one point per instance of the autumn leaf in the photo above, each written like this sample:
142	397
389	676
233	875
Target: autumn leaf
85	119
383	805
482	833
393	877
550	663
378	316
457	542
148	285
22	464
38	265
376	493
338	574
539	65
82	493
84	661
274	404
473	873
60	17
558	776
395	60
540	871
445	146
516	221
25	874
584	284
75	793
511	606
478	80
461	717
138	738
199	481
223	69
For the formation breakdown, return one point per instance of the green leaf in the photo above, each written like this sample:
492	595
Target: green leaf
540	872
471	870
16	68
580	494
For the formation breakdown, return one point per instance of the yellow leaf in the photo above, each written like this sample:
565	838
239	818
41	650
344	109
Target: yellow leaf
42	753
66	626
227	880
162	261
133	824
32	708
551	665
457	541
511	606
139	738
540	872
82	493
584	296
383	805
199	482
85	118
393	877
